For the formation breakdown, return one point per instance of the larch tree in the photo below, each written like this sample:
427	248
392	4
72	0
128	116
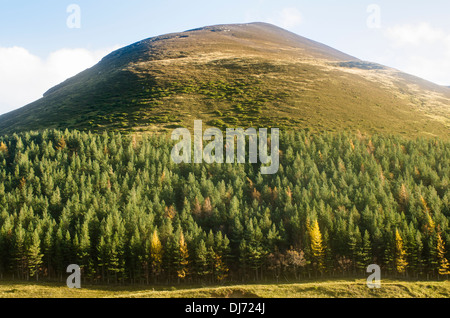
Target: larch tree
156	254
220	268
316	244
3	147
400	254
444	266
183	270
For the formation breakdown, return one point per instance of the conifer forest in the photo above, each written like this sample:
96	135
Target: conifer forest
116	205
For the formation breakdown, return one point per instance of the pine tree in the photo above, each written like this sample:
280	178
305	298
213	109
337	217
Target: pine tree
414	250
20	255
48	248
243	258
355	242
431	253
201	260
34	255
255	255
6	244
365	252
328	257
84	251
255	251
418	254
136	256
389	253
115	250
102	258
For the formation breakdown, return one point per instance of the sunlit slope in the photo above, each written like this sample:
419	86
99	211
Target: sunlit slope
238	75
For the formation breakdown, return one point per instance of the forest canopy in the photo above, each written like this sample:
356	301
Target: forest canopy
121	209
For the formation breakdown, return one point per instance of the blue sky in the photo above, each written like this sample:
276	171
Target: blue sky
39	50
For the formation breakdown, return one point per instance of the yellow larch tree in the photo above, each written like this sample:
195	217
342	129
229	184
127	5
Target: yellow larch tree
3	147
61	144
156	251
316	242
444	265
400	254
184	255
220	268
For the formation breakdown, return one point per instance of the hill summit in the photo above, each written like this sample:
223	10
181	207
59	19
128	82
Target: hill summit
238	75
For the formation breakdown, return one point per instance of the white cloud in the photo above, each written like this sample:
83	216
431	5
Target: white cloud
419	34
24	77
421	49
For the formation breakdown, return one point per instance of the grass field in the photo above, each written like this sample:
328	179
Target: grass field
323	289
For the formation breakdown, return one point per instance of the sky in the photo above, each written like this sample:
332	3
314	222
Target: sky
44	42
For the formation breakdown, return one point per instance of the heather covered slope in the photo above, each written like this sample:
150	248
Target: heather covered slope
238	75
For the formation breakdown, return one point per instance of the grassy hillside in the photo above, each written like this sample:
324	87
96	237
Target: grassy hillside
246	75
319	289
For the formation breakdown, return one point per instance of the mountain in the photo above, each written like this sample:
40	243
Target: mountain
239	75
